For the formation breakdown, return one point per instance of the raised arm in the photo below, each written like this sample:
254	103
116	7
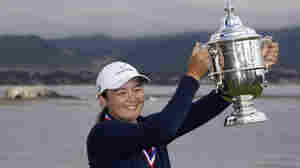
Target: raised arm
202	111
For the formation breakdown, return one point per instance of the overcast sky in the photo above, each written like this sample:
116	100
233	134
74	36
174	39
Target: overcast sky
52	18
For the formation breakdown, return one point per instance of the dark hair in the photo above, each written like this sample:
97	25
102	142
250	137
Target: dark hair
104	94
101	115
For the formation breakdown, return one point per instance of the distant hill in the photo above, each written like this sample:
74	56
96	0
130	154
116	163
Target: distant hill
32	49
152	54
169	53
164	53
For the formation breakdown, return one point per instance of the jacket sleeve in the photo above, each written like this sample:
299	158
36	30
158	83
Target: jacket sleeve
117	138
202	111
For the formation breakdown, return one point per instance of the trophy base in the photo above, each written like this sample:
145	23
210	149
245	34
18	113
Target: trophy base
244	112
235	120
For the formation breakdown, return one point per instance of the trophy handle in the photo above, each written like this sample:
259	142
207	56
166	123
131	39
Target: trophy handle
217	63
265	40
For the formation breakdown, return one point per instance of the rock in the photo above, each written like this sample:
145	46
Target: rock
32	92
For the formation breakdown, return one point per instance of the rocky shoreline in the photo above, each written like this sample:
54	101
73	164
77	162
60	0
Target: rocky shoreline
77	76
67	77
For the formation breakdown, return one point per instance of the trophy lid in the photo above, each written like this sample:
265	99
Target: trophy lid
232	28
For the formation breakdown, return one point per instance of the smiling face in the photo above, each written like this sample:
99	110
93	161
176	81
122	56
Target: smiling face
125	103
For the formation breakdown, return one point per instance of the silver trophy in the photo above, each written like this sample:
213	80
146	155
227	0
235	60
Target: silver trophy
237	67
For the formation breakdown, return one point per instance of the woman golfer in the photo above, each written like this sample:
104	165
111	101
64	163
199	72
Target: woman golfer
122	138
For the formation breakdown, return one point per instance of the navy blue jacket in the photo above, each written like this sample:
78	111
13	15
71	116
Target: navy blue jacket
118	144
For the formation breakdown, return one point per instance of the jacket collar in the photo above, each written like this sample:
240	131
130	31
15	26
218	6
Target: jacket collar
108	116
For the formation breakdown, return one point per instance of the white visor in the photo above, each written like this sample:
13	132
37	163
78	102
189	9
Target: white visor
115	75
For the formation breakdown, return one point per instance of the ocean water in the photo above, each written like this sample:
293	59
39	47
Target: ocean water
52	133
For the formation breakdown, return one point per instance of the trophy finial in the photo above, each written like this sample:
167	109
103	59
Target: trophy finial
229	20
231	27
228	7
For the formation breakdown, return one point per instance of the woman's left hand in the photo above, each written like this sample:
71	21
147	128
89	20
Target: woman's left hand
270	53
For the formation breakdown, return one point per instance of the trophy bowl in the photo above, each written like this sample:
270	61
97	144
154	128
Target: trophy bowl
237	67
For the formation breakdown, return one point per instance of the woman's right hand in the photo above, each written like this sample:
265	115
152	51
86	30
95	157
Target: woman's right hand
199	62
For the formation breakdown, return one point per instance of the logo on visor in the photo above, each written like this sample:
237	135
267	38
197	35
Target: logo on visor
124	70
